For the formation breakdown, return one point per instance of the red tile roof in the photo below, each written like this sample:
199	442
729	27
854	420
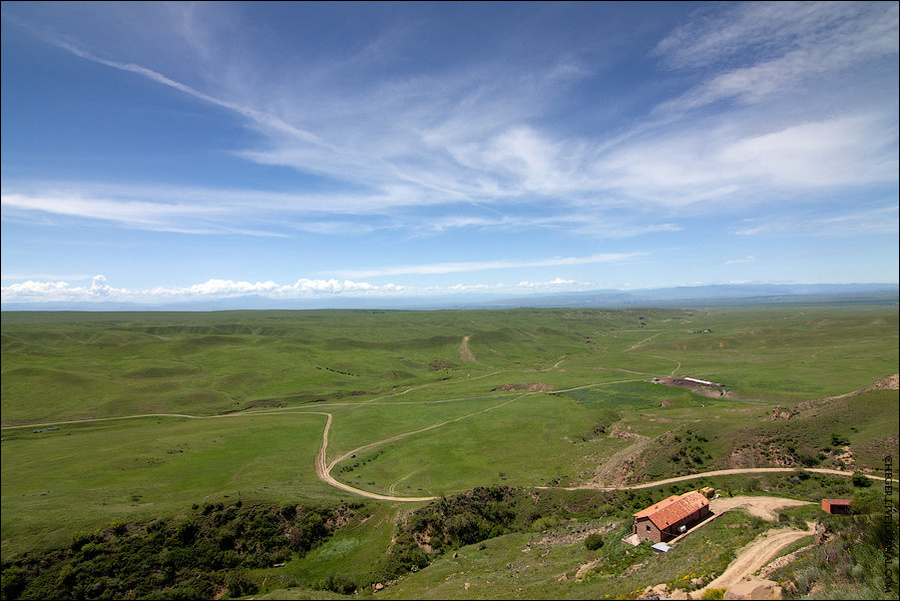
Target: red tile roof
654	508
674	509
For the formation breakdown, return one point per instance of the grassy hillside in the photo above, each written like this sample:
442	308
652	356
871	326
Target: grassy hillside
239	401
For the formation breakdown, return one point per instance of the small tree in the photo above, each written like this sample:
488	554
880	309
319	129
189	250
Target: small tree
239	584
593	542
860	480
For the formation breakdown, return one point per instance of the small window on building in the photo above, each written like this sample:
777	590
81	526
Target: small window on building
648	528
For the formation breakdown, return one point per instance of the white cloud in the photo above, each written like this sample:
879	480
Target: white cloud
845	151
884	220
786	44
33	291
216	289
730	162
415	146
192	210
748	259
144	213
553	284
465	266
264	121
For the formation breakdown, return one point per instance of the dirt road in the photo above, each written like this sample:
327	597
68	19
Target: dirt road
323	468
730	472
754	556
324	472
762	507
464	353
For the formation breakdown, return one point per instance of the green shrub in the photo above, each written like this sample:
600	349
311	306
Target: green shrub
860	480
179	558
339	583
593	542
713	593
239	584
838	440
13	582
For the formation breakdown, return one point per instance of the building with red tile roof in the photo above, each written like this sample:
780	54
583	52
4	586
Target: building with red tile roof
670	517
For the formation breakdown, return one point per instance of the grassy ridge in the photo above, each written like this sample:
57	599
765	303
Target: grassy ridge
79	478
261	380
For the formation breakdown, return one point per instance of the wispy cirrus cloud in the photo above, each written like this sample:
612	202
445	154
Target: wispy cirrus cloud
476	132
757	50
733	163
466	266
748	259
779	96
258	118
197	210
415	127
871	220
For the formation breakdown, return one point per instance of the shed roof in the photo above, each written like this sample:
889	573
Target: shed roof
673	509
837	501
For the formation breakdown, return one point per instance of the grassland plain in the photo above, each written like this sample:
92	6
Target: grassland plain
546	398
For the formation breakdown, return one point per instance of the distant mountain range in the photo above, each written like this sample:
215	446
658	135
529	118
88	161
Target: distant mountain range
682	296
717	295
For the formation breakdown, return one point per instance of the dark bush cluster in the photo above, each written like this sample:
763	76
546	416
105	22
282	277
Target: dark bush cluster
486	512
691	450
196	557
858	560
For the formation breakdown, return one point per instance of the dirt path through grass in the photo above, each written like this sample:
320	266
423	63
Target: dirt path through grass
754	556
638	345
761	507
323	468
729	472
464	353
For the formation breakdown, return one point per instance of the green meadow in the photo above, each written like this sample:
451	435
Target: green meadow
129	417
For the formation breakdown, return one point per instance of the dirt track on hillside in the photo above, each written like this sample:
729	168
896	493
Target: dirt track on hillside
761	507
323	468
731	472
324	471
464	353
754	556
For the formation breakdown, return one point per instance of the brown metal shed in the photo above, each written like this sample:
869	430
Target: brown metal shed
836	506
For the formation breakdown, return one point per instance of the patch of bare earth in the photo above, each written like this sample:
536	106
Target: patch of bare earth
527	386
751	558
572	534
763	507
464	353
761	453
889	383
617	469
701	387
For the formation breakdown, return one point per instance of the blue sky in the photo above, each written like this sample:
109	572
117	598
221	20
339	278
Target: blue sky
161	152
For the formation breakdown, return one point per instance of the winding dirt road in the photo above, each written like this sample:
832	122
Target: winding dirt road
754	556
323	468
729	472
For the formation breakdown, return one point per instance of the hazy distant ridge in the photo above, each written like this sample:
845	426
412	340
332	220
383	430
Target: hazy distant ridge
658	297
